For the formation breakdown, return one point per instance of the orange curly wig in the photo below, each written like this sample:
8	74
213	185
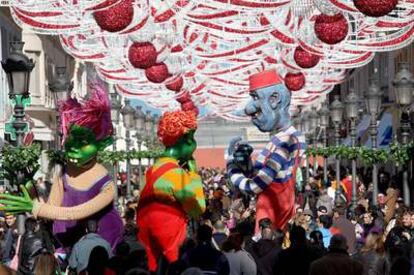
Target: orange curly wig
174	125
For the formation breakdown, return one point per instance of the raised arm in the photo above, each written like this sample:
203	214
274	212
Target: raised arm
274	162
49	211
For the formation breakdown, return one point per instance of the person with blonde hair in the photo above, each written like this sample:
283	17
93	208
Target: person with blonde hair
372	253
46	264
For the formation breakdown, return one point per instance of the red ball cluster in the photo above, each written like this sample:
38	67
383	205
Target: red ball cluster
157	73
115	18
142	55
187	103
305	59
294	81
175	85
331	29
375	8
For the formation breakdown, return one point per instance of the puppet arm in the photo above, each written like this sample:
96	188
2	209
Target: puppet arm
49	211
56	193
188	191
274	160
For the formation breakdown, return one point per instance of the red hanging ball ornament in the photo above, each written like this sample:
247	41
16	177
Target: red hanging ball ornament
190	106
375	8
157	73
115	18
331	29
176	84
142	55
184	97
294	81
305	59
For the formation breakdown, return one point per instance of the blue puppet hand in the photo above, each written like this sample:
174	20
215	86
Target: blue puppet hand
234	143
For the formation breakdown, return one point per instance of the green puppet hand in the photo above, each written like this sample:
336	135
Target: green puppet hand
16	204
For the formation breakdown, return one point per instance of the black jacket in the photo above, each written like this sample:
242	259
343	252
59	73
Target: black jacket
265	254
207	258
31	245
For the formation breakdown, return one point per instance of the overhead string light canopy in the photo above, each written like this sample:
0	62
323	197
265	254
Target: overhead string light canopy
157	50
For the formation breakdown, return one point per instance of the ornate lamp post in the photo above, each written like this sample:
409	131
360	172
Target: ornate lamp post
404	86
352	114
336	111
373	101
306	130
324	123
139	127
128	113
61	87
148	132
115	113
314	121
18	68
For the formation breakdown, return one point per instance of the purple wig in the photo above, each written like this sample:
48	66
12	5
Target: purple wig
94	113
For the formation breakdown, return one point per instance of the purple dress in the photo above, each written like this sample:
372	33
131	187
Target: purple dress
110	225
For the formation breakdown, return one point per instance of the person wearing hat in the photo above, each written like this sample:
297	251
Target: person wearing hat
276	165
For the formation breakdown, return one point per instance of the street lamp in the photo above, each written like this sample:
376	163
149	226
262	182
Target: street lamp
373	101
351	102
18	68
306	129
139	127
115	113
314	121
61	88
336	111
403	86
128	117
324	123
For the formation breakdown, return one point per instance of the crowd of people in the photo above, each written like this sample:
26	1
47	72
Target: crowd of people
326	235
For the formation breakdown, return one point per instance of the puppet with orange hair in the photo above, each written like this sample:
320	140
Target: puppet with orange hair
173	190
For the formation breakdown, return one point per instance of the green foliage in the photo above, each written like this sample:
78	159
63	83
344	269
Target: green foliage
108	157
20	160
398	153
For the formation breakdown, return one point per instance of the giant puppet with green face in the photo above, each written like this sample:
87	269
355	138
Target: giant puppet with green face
173	191
84	190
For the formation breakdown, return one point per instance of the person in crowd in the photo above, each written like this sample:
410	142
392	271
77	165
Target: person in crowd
97	262
31	245
296	259
372	253
265	251
205	256
219	234
10	239
5	270
317	242
240	261
324	223
368	226
337	261
345	227
46	264
82	250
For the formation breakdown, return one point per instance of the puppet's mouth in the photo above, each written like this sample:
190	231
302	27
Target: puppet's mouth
257	114
73	160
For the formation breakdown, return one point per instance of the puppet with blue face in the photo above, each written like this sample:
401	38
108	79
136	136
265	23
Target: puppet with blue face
274	169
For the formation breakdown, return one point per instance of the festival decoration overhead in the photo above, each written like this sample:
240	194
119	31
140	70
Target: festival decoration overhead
214	45
294	81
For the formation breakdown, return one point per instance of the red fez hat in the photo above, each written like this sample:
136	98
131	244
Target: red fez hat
264	79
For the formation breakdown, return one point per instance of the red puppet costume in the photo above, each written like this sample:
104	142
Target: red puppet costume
173	190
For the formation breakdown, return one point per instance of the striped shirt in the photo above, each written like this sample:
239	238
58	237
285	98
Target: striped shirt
274	164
